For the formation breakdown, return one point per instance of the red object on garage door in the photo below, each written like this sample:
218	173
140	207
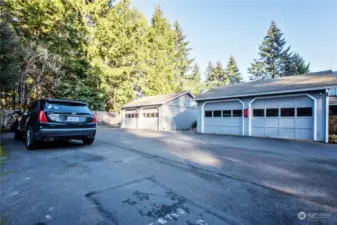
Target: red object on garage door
137	115
245	112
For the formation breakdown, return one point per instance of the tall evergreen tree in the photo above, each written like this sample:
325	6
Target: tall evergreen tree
294	64
192	82
219	74
181	56
276	60
160	77
215	75
232	71
271	51
209	73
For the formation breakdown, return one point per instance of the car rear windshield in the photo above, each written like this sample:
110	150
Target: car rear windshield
66	107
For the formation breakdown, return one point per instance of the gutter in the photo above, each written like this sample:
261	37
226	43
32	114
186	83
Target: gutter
266	93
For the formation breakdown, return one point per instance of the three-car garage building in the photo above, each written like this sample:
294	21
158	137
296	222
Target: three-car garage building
294	107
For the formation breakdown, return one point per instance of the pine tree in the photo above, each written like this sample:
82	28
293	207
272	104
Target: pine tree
181	56
275	61
294	64
196	76
219	74
269	65
192	82
232	71
209	73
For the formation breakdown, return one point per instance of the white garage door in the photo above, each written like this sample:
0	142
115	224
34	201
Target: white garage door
223	118
290	118
150	119
130	119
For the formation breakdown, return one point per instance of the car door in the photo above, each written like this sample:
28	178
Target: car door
29	117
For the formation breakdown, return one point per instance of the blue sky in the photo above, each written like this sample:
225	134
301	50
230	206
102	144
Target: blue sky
217	29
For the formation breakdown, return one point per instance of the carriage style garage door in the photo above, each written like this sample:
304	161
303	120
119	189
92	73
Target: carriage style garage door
130	119
223	118
290	118
150	119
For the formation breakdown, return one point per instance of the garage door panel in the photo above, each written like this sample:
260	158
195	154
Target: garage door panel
149	119
287	122
272	122
272	132
259	104
223	125
304	123
288	133
296	127
271	103
304	134
258	132
231	130
223	106
303	102
258	122
130	122
212	129
286	102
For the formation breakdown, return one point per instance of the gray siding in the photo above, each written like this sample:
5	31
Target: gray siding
333	92
321	112
179	113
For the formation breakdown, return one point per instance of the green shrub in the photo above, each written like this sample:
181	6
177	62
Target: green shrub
194	125
333	139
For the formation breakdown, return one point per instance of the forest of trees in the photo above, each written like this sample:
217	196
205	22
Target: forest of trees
106	53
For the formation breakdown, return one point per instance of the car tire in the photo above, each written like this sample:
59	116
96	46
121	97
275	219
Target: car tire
88	141
17	135
30	139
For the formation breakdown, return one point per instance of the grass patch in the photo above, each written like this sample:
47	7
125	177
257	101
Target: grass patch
1	151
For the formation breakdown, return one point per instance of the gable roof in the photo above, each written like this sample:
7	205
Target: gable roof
155	100
290	84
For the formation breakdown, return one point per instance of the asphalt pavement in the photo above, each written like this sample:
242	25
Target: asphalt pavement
149	177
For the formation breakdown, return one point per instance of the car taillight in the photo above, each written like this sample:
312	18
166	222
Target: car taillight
42	117
94	118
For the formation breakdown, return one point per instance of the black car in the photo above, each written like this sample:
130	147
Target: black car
52	119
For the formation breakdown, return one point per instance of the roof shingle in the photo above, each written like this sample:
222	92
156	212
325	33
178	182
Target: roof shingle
154	100
271	86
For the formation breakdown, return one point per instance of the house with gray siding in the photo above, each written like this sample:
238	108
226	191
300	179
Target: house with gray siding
294	107
175	111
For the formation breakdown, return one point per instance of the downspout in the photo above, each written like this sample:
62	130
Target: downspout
123	118
327	102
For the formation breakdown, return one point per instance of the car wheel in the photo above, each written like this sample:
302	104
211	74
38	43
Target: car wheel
88	141
30	139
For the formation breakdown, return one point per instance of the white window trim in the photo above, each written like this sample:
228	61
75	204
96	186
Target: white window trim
202	125
327	102
284	96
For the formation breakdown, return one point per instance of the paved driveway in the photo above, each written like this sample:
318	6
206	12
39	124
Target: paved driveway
146	177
